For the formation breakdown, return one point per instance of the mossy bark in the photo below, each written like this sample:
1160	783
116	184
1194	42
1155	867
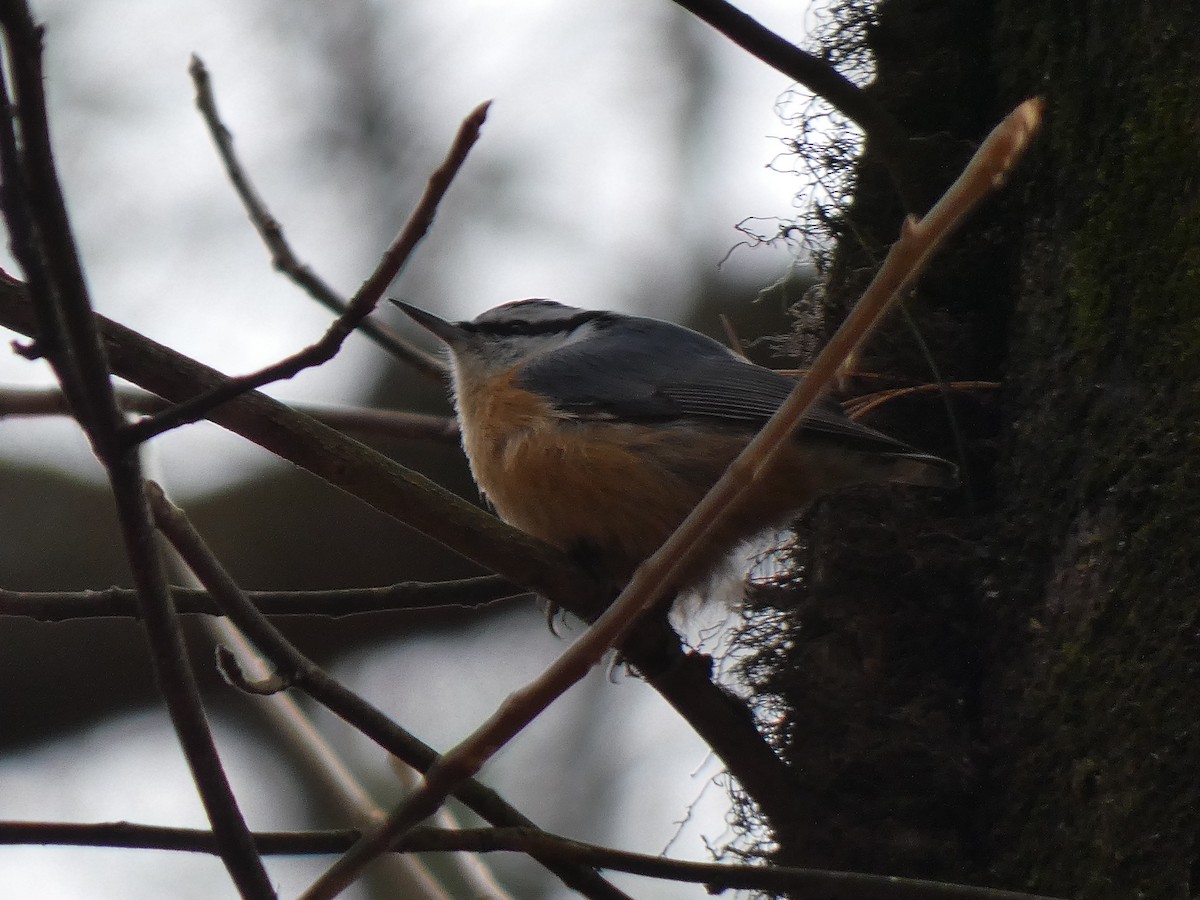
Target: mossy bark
1093	723
1007	691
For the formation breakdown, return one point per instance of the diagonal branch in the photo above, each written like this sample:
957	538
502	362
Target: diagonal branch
271	232
40	233
683	551
359	307
37	218
683	679
885	136
296	670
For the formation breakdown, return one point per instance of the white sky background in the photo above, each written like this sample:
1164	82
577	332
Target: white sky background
580	189
602	206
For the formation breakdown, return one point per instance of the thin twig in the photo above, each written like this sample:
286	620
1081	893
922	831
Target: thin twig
359	307
683	679
467	594
956	434
717	877
866	403
349	419
40	233
732	337
885	137
918	241
388	423
297	670
271	232
42	223
177	681
323	769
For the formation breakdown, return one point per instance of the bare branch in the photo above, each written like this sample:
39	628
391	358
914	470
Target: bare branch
389	423
36	212
271	232
360	306
293	668
716	877
42	239
885	137
682	552
135	836
351	420
467	594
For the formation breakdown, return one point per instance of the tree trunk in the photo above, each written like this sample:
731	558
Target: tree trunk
1094	718
1005	688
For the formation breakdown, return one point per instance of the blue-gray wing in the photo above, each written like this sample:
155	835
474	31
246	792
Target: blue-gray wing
651	371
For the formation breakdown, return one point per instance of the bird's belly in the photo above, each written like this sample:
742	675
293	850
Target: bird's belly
617	490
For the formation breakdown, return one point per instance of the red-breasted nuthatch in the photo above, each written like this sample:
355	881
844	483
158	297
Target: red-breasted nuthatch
598	432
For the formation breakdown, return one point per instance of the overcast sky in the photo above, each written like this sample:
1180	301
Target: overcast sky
625	143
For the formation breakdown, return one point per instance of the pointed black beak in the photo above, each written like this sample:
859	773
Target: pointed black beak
447	332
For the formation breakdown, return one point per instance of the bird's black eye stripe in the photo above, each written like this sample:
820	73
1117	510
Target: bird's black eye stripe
512	327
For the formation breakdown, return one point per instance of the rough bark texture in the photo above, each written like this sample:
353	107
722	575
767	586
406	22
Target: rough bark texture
1006	690
1097	784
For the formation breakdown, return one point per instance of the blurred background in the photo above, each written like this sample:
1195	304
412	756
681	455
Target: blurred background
625	144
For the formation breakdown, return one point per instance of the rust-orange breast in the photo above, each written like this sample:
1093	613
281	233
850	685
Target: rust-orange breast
619	487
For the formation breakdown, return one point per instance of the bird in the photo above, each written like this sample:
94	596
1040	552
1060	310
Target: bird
598	431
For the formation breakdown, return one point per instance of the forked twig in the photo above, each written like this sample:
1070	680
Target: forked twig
866	403
919	240
294	669
271	233
360	306
885	136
